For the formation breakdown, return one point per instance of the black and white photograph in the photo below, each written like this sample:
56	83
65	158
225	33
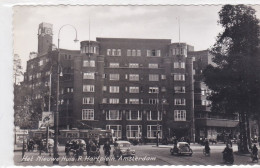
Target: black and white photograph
122	85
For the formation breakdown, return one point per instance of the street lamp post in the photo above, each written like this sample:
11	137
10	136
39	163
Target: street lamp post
56	116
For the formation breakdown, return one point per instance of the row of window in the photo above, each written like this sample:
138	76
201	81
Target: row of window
133	52
90	49
37	75
134	77
40	63
179	115
133	89
178	51
135	131
131	101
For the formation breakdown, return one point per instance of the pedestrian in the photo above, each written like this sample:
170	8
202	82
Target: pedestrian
40	147
88	146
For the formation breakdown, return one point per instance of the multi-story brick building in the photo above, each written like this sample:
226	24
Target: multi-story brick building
209	124
134	86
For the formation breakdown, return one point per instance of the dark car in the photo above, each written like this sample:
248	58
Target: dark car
182	148
123	149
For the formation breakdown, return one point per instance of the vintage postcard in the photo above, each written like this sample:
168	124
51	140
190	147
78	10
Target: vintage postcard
136	85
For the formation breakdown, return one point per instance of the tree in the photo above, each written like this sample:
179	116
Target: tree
234	80
17	68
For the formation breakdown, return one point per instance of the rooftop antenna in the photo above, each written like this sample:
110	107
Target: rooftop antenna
179	29
89	36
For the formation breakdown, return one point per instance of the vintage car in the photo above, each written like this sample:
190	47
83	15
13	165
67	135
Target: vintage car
182	148
123	149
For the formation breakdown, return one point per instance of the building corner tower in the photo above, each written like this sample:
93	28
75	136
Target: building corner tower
44	38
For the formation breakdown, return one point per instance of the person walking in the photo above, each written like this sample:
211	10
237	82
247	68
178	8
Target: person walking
106	149
40	147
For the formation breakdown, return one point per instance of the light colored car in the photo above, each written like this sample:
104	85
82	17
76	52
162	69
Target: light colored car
182	148
123	149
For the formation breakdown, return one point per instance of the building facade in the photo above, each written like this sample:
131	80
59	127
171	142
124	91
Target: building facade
137	87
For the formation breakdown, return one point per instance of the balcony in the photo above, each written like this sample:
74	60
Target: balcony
214	122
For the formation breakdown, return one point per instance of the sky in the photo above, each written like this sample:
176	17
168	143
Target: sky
198	24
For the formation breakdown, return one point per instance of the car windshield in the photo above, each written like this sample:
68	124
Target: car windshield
124	145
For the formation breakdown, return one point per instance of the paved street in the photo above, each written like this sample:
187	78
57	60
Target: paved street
147	155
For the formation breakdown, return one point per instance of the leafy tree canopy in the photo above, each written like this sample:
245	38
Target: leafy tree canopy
235	81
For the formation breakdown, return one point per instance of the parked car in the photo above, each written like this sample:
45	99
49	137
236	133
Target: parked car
182	148
123	149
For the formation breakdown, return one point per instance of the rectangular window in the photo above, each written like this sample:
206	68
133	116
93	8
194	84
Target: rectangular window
133	115
158	53
118	52
138	53
114	76
153	101
149	53
153	52
114	89
152	131
179	65
128	53
179	77
113	115
179	101
134	77
114	52
179	115
163	77
153	65
108	51
40	62
153	90
87	63
88	88
114	101
38	75
154	115
133	65
153	77
133	52
133	101
88	100
104	100
89	75
133	89
114	65
117	130
134	131
87	114
179	89
104	88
